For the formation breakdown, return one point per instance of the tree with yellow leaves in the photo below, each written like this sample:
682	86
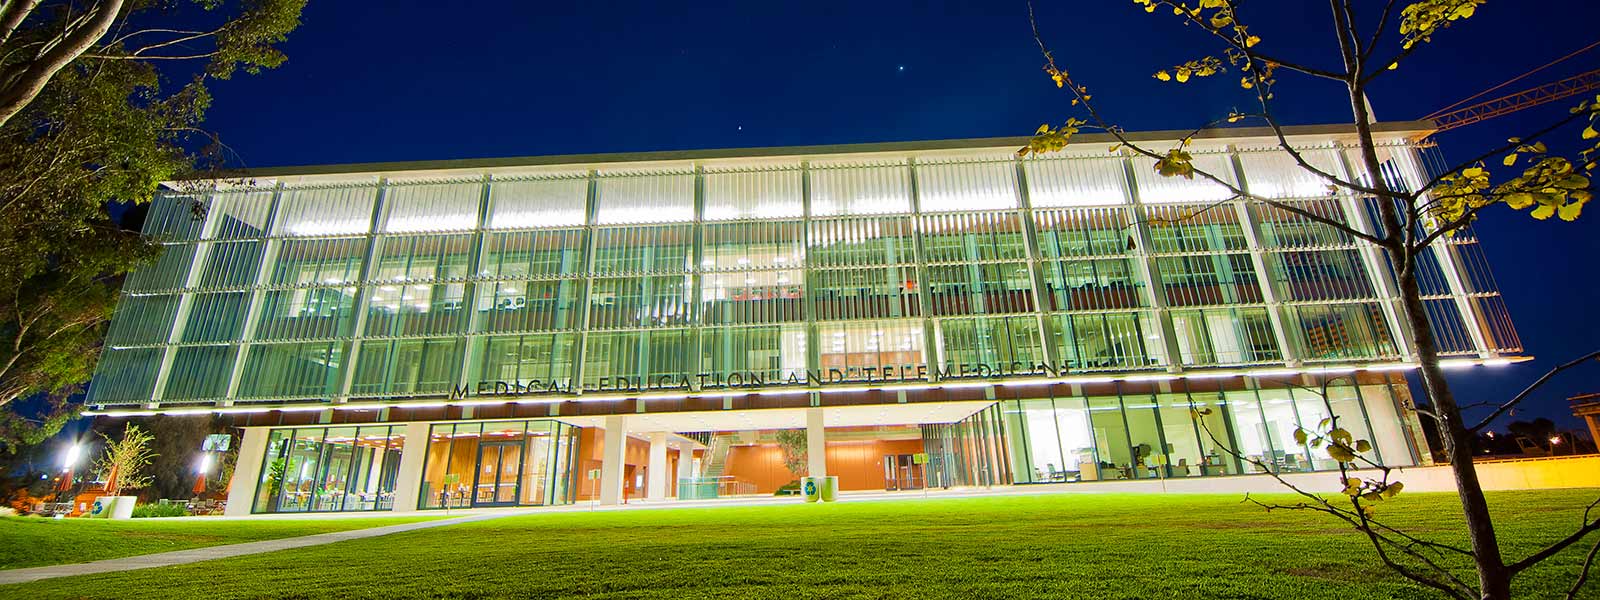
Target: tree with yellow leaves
1411	220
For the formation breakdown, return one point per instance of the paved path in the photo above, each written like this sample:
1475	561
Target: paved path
180	557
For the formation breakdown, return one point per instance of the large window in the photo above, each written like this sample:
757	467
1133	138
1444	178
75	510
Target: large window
330	469
1150	434
1102	341
861	350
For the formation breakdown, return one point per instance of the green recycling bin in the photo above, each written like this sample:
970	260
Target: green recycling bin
811	488
830	488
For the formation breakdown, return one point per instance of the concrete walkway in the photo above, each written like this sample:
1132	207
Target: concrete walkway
180	557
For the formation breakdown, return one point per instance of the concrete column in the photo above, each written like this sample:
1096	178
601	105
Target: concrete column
616	446
1594	427
408	482
656	484
685	466
247	472
816	444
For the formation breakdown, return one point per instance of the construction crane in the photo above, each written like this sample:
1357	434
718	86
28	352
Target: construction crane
1456	115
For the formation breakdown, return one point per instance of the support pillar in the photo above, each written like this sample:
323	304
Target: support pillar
408	480
656	473
816	444
247	472
616	447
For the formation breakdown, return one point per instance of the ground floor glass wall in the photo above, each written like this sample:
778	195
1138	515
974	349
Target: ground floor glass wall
499	463
327	469
969	452
1193	434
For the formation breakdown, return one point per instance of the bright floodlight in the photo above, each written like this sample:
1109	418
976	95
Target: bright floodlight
205	463
71	458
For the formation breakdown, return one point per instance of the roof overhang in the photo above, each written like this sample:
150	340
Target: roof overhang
469	167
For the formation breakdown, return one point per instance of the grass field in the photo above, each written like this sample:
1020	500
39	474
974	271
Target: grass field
33	542
1060	546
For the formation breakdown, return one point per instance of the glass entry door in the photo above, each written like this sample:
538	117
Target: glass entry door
499	464
900	472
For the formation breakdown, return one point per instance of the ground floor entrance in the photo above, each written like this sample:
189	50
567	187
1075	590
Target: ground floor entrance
1155	433
498	473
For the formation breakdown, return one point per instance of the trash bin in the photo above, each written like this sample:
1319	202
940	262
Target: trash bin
811	488
113	507
830	488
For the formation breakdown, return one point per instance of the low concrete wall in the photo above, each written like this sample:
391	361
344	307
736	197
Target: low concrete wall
1515	474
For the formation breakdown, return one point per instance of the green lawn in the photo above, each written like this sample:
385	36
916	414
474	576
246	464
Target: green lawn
1062	546
32	541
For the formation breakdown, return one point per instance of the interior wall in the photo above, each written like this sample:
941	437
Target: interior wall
857	464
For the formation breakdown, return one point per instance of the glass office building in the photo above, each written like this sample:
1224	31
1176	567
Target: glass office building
355	316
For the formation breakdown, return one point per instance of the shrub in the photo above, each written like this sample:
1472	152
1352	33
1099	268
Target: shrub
789	489
145	511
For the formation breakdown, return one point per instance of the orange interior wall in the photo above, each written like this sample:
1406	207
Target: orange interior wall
857	464
591	454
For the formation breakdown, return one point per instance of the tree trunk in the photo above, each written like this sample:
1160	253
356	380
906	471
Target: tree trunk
26	79
1494	581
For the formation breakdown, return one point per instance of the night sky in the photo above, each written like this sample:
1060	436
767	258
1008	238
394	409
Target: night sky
404	80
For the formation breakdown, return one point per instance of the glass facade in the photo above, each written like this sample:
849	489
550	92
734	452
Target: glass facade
499	463
732	273
330	469
706	280
1142	435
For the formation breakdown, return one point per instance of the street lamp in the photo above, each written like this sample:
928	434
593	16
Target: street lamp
71	457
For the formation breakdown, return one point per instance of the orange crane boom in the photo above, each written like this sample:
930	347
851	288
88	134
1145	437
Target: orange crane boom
1550	92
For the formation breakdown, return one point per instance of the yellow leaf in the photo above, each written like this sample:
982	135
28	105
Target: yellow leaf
1163	75
1250	42
1511	159
1570	211
1589	133
1519	201
1543	212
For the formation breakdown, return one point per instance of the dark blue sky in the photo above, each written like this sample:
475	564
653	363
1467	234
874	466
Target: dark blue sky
411	81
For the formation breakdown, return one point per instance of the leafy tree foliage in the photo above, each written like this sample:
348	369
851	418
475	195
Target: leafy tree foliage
77	132
1410	222
125	460
793	444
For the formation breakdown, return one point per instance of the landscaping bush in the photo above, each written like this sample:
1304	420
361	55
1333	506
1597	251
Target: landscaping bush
789	489
145	511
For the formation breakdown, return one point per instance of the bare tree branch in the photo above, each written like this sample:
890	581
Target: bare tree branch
1242	47
1551	550
1512	403
1377	33
1583	574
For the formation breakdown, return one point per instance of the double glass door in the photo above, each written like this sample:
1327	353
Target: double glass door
499	467
900	472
